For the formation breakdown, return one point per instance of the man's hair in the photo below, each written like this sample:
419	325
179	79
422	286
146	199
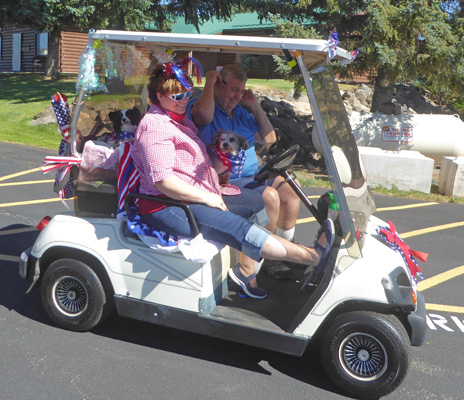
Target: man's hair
157	83
234	70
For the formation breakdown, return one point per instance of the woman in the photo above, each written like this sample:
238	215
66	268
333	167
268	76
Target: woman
173	161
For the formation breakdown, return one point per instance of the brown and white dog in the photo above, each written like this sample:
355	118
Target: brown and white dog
226	142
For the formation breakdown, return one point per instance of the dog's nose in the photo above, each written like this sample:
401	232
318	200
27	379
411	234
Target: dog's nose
225	144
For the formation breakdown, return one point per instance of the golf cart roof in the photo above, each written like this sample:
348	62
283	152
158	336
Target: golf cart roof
314	50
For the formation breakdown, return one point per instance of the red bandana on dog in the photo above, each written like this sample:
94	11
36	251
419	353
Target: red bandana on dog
233	163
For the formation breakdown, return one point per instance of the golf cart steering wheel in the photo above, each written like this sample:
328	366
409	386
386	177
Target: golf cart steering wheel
279	163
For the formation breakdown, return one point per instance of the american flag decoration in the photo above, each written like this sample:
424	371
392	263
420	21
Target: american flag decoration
128	182
61	107
333	43
128	178
389	235
233	163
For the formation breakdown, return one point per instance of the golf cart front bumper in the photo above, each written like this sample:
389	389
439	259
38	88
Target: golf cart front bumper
418	322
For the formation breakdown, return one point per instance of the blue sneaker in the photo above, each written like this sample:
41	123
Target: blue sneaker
244	282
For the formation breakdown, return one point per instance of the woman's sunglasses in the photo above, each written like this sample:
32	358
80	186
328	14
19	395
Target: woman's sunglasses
180	96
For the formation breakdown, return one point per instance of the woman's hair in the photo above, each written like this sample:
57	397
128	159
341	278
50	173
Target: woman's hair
158	83
235	70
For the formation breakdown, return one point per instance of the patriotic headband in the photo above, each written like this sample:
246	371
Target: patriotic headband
176	70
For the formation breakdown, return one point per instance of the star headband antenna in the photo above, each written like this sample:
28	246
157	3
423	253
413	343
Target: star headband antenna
177	70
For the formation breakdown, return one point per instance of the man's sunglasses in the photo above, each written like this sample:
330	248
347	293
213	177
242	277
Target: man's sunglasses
180	96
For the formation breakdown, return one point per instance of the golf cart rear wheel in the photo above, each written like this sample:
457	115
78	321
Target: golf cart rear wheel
366	354
73	295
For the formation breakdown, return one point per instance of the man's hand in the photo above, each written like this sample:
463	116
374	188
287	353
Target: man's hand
212	77
248	99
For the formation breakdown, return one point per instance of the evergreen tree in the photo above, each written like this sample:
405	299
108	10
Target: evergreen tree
400	40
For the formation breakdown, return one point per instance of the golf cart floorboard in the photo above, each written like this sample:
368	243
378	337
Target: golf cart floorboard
283	302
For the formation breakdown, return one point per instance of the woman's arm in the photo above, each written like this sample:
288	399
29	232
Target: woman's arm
177	189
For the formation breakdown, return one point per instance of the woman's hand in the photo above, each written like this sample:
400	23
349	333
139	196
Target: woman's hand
215	201
177	189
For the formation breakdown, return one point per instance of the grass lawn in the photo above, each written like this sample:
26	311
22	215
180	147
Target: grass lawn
21	97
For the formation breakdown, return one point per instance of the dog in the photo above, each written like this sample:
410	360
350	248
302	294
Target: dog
125	123
227	152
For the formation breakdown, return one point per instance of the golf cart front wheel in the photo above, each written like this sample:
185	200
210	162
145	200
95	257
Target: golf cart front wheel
366	354
73	295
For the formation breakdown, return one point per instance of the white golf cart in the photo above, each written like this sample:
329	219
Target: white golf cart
365	310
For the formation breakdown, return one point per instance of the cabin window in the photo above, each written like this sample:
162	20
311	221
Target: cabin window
42	44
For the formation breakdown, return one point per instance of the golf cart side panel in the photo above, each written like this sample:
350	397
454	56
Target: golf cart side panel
133	269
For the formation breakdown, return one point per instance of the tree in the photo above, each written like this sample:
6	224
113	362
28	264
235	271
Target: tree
402	40
54	16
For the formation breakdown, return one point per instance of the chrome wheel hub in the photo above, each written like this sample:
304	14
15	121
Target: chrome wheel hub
70	296
363	356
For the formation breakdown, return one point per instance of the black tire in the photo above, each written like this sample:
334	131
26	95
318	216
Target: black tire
73	295
366	354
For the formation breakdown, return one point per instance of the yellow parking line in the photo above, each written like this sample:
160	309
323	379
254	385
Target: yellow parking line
304	220
441	307
27	182
440	278
4	178
24	203
405	207
431	229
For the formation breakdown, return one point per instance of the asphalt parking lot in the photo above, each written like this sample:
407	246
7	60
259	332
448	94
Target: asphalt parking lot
131	359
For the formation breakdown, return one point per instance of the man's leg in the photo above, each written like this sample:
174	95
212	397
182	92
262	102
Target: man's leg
289	209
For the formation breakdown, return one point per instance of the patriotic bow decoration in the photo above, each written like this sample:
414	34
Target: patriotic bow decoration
233	163
63	117
177	70
389	235
333	43
63	167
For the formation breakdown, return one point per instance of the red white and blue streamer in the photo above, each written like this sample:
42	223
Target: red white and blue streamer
178	70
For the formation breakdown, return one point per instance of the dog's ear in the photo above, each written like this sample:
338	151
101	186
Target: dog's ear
134	115
115	117
243	142
215	138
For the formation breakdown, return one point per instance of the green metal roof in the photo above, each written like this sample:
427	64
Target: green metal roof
243	21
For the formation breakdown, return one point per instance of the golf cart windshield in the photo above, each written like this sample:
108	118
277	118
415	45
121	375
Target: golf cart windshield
116	65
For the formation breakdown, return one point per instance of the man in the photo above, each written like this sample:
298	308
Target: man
218	107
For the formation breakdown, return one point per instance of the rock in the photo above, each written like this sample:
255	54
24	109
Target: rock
44	117
390	108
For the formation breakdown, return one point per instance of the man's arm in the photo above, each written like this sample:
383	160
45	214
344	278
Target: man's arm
203	109
266	133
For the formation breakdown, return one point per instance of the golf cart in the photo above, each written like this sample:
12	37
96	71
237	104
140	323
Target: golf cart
364	310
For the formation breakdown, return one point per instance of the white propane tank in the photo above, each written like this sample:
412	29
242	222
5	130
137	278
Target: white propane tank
433	135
